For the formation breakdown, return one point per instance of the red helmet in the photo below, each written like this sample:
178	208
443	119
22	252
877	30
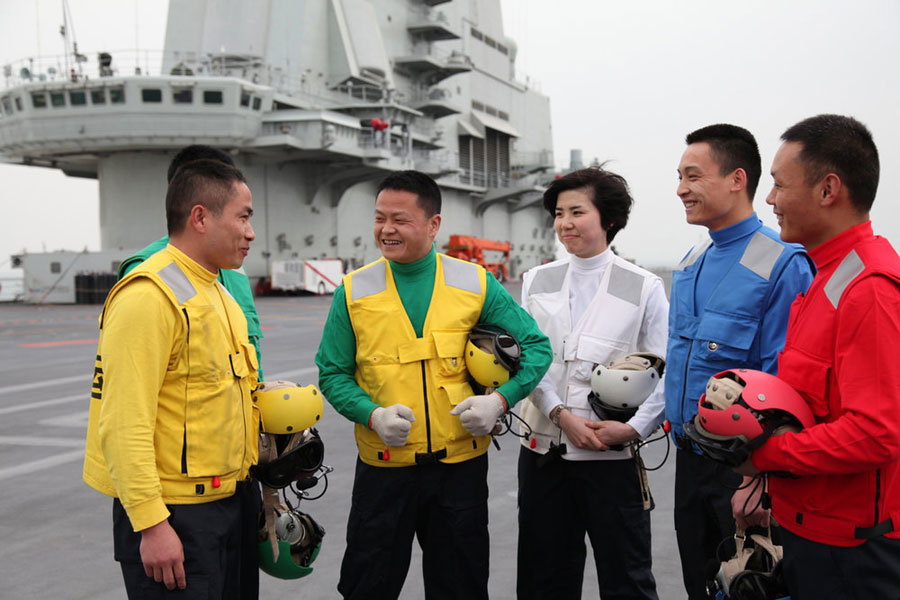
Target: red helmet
740	410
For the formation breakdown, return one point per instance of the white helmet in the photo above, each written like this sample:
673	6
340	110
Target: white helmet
619	389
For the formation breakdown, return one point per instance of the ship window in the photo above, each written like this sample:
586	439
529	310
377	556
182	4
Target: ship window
98	97
19	103
490	42
477	34
77	98
502	49
117	95
477	105
257	103
183	96
212	96
55	267
7	105
490	110
57	99
245	98
151	95
39	99
503	115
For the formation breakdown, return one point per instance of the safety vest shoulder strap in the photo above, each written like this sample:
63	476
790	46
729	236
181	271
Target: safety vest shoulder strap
549	279
695	253
849	269
625	284
875	258
761	254
460	274
369	280
175	278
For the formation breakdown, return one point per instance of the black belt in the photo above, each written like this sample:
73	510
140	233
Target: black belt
430	458
865	533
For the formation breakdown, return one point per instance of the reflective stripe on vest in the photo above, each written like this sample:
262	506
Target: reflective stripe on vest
625	285
178	282
461	275
847	271
761	254
694	254
548	281
369	281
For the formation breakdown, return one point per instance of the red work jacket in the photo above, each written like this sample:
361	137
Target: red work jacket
841	355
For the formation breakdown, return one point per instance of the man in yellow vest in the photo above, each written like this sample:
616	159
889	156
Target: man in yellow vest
172	431
392	361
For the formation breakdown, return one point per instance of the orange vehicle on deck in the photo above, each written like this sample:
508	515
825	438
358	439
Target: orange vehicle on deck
490	254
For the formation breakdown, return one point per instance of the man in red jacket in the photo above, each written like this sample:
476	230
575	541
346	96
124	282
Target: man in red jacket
840	506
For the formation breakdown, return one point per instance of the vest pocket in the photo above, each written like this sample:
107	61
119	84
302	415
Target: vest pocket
725	339
450	347
809	376
592	351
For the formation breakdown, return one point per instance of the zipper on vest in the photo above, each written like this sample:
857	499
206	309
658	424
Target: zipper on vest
877	493
684	379
187	345
427	418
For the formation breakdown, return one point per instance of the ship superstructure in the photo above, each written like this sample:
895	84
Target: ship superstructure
316	100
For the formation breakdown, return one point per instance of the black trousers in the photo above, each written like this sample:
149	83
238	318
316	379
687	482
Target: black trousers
703	518
219	539
816	571
562	501
443	505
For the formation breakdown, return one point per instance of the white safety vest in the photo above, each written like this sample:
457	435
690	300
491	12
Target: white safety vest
609	329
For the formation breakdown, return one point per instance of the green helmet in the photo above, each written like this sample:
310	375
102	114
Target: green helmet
296	556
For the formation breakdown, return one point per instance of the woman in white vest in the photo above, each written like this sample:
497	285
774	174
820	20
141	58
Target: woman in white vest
595	307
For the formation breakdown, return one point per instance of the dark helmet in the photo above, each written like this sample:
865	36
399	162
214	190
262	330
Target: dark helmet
619	389
298	456
753	573
740	410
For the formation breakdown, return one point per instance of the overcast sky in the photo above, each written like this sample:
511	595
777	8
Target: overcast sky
626	80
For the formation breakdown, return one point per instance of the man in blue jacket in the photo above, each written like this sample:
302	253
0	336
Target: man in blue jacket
728	309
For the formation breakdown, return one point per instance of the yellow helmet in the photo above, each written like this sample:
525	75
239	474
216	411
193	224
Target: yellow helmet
285	407
492	355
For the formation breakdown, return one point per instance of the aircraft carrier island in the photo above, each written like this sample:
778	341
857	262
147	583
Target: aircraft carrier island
316	100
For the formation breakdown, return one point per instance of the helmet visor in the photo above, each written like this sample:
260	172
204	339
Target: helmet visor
302	461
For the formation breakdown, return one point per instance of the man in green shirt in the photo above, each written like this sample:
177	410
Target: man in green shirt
392	361
233	280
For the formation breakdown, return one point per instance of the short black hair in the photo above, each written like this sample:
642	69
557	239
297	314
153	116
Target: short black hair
840	145
209	183
609	193
733	148
196	152
424	187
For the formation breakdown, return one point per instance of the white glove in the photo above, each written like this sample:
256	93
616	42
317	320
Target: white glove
479	414
392	424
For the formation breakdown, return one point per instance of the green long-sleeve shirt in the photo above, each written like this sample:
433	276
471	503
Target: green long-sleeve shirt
235	281
336	357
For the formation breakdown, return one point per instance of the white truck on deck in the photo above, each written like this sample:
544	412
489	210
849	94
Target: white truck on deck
319	276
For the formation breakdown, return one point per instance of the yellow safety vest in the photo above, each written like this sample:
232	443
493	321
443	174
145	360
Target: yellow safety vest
206	430
427	374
